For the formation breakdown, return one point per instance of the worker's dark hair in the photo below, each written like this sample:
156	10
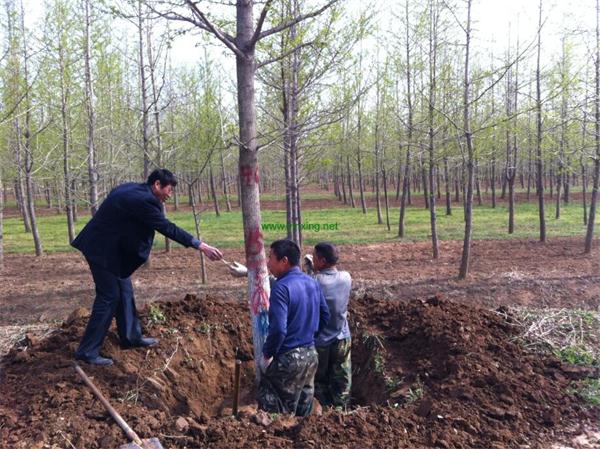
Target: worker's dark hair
164	176
286	248
328	251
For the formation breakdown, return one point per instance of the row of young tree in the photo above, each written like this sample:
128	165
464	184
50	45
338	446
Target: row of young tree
343	98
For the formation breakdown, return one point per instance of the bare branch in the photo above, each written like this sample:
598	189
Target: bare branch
284	55
259	25
293	22
228	40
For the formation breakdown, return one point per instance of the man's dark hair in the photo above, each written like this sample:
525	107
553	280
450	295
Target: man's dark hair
164	176
328	251
286	248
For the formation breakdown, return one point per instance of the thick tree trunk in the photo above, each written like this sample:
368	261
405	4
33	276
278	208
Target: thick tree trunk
258	281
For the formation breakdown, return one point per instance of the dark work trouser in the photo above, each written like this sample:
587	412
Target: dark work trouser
288	384
114	297
333	380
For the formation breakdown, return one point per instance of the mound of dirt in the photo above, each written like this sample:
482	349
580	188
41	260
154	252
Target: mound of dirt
426	374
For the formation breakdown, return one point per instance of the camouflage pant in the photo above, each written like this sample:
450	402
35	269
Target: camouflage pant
333	380
288	384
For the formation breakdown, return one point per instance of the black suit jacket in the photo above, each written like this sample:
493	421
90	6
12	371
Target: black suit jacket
119	236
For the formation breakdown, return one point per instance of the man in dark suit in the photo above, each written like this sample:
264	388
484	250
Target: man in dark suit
116	242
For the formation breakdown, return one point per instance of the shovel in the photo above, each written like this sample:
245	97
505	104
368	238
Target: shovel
136	441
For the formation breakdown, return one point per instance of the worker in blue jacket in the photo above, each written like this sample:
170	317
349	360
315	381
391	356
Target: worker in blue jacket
116	242
297	312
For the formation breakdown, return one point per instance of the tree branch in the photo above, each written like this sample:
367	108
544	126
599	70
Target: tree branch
228	40
284	55
259	25
293	22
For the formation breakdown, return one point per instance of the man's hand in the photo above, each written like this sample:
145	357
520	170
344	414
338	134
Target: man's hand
210	251
238	270
308	264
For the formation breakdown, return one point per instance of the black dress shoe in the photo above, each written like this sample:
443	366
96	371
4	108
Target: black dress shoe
100	361
143	342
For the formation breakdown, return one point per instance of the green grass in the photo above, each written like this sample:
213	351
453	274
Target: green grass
590	391
351	226
577	355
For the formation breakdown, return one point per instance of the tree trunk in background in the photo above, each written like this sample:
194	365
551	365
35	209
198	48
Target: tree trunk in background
19	187
399	174
143	93
74	199
352	203
213	190
343	180
447	182
433	20
466	252
1	223
29	181
478	185
361	184
581	159
424	182
224	183
66	144
29	161
583	191
539	159
156	114
376	180
196	214
591	219
89	100
387	205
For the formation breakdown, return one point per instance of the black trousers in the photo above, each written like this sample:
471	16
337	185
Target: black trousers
114	298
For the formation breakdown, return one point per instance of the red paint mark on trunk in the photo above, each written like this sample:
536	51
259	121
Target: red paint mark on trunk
259	299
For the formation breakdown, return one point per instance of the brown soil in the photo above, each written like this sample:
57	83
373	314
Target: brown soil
429	373
489	392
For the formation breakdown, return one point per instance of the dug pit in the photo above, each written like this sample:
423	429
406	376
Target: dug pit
430	373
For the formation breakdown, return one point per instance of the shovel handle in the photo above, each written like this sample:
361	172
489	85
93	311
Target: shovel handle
236	386
120	421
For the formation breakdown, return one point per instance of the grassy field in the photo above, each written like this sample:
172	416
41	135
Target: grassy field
346	226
